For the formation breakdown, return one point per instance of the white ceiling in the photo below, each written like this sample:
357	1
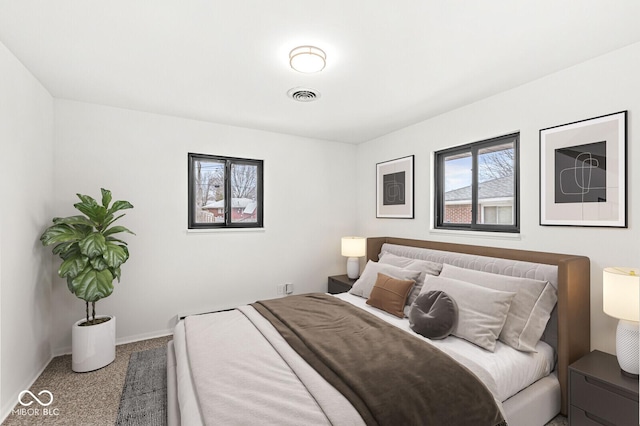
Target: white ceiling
389	63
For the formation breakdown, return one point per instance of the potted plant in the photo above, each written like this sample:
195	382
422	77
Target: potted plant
91	259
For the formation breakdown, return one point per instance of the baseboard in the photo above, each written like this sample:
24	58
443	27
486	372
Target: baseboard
122	341
144	336
6	410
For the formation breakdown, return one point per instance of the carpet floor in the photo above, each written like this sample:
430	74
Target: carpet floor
83	399
97	398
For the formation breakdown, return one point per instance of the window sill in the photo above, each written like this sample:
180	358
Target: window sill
223	230
478	234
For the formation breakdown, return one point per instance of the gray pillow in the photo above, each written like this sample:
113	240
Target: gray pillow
482	311
369	276
425	267
433	315
530	309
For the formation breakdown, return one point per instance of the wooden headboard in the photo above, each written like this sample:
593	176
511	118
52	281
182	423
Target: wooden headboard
574	334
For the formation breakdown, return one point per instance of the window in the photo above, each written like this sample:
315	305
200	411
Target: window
477	186
224	192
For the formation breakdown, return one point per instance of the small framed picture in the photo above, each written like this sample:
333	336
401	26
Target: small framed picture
583	173
394	188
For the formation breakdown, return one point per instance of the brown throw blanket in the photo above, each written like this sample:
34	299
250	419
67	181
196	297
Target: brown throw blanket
389	376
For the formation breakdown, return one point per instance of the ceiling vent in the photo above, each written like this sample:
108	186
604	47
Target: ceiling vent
303	94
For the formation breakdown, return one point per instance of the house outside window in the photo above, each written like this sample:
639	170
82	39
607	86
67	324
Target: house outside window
477	186
224	192
497	215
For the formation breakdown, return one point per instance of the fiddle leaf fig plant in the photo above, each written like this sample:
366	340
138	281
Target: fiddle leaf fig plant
91	253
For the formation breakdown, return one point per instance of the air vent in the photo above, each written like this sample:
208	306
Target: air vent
303	94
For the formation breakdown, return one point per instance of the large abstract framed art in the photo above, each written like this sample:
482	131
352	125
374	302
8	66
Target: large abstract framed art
583	173
394	188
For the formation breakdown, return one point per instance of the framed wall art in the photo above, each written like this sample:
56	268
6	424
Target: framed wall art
394	188
583	173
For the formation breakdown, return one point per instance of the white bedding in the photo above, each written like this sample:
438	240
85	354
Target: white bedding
189	410
509	369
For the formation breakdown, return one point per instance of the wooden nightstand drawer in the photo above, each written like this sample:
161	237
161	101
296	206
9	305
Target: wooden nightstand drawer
581	418
599	394
597	398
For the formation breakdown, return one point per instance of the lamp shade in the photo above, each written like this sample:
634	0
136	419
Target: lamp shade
354	246
621	293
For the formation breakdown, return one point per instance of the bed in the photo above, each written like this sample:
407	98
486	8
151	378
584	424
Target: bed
237	366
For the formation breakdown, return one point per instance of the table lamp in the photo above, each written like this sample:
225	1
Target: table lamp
621	299
353	248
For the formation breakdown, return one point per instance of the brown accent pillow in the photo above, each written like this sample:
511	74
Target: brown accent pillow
390	294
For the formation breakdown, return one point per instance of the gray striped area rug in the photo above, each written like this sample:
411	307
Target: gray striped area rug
144	395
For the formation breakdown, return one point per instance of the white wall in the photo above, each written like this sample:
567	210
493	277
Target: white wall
142	158
601	86
26	195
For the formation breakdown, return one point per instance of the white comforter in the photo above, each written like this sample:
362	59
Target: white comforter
244	372
239	370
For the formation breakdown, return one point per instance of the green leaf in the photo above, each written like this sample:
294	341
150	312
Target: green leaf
86	199
117	240
99	263
72	266
73	250
106	197
109	219
115	255
93	211
60	234
92	285
120	205
62	248
116	273
73	220
116	230
93	245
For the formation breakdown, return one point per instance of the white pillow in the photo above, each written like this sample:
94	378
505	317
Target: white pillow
482	312
367	280
425	267
530	309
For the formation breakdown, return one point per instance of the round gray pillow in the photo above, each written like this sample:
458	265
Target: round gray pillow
433	314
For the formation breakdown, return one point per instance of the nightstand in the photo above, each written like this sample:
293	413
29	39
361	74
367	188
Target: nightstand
340	284
599	394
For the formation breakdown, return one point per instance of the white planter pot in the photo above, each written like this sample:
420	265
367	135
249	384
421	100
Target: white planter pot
93	346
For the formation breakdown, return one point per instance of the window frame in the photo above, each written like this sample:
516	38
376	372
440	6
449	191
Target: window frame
474	148
228	163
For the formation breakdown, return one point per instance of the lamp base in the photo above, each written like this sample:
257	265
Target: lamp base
627	336
353	267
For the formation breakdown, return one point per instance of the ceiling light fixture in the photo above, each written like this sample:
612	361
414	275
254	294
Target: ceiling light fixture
307	59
